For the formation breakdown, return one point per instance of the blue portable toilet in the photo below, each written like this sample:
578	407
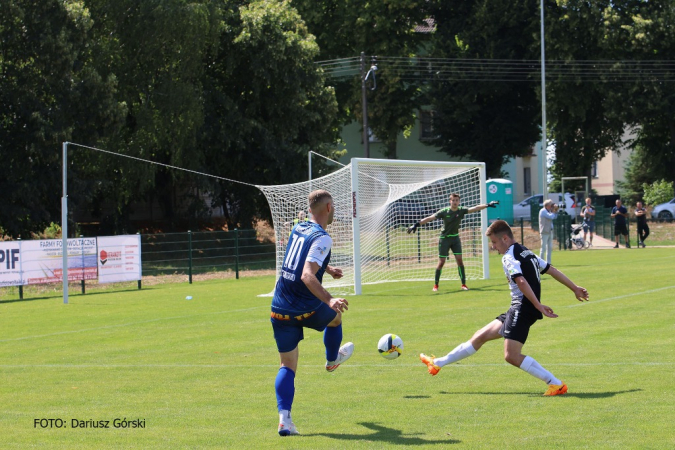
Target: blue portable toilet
501	190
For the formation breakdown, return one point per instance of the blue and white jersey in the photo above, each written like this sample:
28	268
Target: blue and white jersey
307	242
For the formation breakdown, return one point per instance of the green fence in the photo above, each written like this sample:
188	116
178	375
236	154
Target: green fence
201	252
198	253
562	229
604	226
562	225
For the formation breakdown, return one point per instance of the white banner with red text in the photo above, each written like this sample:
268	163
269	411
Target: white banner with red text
108	259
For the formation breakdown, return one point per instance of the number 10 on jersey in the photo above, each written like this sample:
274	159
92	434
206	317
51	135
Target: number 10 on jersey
293	255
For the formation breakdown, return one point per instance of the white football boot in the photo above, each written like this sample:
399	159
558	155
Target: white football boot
345	352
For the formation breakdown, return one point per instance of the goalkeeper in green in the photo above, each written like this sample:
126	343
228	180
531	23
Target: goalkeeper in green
449	239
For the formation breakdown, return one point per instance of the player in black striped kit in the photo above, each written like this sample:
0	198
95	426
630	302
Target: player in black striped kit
523	269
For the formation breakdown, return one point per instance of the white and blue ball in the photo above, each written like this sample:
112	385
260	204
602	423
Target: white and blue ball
390	346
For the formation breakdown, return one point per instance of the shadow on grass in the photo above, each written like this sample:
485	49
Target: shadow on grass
32	299
539	394
386	435
77	295
489	288
599	394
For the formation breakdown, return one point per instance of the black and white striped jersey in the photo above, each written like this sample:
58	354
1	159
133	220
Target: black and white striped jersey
518	261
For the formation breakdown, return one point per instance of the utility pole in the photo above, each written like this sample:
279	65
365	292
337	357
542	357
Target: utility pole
364	103
364	98
544	155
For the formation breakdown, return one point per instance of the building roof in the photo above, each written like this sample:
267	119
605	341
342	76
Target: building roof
428	26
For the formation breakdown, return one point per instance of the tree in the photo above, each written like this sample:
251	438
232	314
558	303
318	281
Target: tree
485	121
382	28
225	88
391	108
158	50
584	125
658	192
266	106
50	92
644	29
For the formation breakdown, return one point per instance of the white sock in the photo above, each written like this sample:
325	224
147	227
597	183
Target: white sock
285	416
532	367
462	351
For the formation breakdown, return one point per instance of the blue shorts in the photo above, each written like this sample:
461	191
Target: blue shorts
288	325
589	226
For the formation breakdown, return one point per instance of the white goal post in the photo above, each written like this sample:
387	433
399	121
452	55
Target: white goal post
375	201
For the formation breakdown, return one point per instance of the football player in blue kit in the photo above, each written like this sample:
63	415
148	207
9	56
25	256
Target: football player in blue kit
523	269
300	301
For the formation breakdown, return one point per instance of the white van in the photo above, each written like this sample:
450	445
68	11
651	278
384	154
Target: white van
522	209
570	206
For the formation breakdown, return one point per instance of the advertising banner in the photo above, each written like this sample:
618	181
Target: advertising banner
42	262
119	258
10	264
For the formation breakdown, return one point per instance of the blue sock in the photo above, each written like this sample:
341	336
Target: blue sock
285	387
332	338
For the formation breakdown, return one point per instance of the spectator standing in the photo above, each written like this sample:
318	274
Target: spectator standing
588	213
619	214
642	227
547	215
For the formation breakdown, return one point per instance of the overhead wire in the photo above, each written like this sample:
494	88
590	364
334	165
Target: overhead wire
508	70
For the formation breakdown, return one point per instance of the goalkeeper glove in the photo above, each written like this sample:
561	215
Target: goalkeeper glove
493	204
413	228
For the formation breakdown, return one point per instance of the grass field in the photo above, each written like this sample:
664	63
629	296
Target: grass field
200	373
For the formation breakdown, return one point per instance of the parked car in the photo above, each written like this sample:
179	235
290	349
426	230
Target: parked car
522	209
664	210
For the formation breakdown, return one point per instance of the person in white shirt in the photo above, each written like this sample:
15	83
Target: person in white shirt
546	216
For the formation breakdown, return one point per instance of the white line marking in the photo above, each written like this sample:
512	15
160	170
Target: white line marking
266	306
621	296
356	366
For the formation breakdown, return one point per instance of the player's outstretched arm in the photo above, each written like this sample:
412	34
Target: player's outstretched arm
477	208
527	291
580	293
314	285
413	228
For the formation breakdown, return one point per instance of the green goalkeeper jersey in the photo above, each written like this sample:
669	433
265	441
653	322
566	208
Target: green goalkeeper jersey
451	220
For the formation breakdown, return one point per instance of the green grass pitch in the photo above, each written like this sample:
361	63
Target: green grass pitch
200	373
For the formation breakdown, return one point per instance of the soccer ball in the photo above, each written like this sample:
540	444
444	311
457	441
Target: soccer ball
390	346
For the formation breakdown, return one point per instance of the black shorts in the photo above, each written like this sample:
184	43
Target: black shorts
620	229
515	325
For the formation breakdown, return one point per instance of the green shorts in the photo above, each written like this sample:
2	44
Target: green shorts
447	243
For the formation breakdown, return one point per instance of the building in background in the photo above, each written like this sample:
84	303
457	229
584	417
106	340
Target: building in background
612	168
525	173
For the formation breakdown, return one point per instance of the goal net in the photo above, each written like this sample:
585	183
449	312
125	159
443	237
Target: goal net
375	201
